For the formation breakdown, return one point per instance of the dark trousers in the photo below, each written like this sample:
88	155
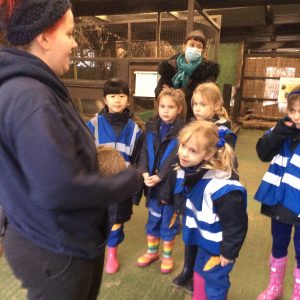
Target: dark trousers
281	233
47	275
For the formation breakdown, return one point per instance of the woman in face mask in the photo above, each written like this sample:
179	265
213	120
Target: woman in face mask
187	69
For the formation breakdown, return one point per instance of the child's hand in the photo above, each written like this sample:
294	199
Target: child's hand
165	86
152	180
145	175
225	261
288	121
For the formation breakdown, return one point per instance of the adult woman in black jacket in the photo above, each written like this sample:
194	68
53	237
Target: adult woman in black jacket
187	69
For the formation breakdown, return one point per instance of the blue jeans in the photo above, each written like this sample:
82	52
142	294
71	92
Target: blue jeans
116	236
281	234
159	219
215	276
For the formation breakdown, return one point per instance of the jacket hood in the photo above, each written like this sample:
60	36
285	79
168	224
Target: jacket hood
18	63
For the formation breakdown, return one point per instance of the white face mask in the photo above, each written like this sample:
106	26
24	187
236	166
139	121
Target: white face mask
192	54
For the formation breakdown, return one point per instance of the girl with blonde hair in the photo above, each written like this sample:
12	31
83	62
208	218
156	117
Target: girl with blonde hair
214	219
207	104
158	153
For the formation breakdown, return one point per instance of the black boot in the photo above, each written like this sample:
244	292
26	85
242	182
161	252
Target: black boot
189	287
187	272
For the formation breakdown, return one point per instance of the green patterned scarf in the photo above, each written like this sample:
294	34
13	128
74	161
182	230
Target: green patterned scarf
185	71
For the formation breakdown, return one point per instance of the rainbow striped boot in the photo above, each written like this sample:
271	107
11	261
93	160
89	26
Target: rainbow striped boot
152	252
167	262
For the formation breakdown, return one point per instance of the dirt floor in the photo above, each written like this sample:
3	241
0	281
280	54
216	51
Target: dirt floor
250	273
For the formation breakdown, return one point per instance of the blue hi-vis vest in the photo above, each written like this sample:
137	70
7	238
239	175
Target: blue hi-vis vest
201	224
150	137
104	135
281	183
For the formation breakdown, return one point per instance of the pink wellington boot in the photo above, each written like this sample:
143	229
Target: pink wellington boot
277	271
112	262
199	288
296	291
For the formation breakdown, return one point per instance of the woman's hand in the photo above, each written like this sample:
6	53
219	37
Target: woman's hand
151	181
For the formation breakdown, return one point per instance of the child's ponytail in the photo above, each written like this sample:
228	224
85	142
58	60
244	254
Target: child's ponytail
222	160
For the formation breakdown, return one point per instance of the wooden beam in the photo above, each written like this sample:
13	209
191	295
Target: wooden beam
269	15
273	45
190	18
109	7
283	32
207	17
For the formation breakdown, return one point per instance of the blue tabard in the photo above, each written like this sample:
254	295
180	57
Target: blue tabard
104	135
201	224
281	183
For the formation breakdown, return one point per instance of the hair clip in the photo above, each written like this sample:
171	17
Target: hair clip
221	142
293	93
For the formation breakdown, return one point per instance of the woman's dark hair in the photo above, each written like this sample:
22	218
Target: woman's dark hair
196	35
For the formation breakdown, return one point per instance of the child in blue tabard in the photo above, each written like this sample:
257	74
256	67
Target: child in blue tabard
114	126
158	152
214	218
279	193
207	104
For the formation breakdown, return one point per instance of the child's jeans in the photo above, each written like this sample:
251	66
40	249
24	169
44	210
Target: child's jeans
215	276
159	221
116	235
281	234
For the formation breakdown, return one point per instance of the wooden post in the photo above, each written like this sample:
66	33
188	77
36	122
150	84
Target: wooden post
227	96
190	18
129	37
158	30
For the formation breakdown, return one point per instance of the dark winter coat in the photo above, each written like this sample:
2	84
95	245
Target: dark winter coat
50	186
267	147
153	126
205	72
